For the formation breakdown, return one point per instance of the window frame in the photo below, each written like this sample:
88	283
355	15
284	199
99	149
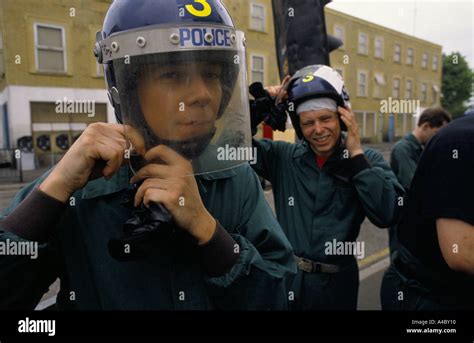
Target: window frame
251	17
409	81
424	94
435	58
399	89
412	56
366	73
336	26
46	48
252	70
378	86
424	61
361	33
399	53
380	39
2	56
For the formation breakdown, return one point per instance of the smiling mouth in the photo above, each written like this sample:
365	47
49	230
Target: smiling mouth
322	139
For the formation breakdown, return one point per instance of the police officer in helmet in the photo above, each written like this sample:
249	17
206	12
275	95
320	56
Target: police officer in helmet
324	187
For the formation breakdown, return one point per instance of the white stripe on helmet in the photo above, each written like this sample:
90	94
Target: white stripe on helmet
331	76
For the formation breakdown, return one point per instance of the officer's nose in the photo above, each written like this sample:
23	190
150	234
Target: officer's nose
199	93
318	128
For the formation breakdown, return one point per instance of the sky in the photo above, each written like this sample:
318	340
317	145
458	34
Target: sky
447	23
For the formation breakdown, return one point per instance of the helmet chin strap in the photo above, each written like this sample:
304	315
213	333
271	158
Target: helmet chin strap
190	149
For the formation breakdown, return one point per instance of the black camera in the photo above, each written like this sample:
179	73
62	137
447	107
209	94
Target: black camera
264	108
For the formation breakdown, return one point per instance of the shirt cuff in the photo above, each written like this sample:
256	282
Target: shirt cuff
35	218
360	163
220	254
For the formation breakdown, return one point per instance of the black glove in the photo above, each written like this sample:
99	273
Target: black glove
144	232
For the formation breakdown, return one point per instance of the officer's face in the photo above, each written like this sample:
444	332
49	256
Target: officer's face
181	101
322	130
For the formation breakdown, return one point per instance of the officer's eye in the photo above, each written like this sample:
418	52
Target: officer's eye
326	119
211	75
171	75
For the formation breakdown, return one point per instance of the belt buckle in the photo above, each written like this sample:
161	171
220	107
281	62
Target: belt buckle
305	265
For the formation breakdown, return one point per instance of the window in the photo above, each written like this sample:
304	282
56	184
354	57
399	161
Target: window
409	89
435	94
396	88
363	44
258	69
410	56
257	17
435	63
2	67
424	61
362	83
378	86
424	89
397	53
339	32
379	47
50	48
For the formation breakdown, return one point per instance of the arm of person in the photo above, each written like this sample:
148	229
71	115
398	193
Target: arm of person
456	241
377	186
446	188
36	211
257	279
378	189
31	214
270	155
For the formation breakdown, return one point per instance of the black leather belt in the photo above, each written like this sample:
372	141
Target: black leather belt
309	266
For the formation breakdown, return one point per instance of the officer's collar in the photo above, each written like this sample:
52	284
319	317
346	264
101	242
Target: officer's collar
414	141
102	187
121	181
309	154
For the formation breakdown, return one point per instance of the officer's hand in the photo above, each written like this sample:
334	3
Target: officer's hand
173	185
99	151
353	138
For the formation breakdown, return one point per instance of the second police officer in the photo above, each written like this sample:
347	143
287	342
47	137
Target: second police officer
324	187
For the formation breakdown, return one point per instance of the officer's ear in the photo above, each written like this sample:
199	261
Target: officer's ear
425	126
